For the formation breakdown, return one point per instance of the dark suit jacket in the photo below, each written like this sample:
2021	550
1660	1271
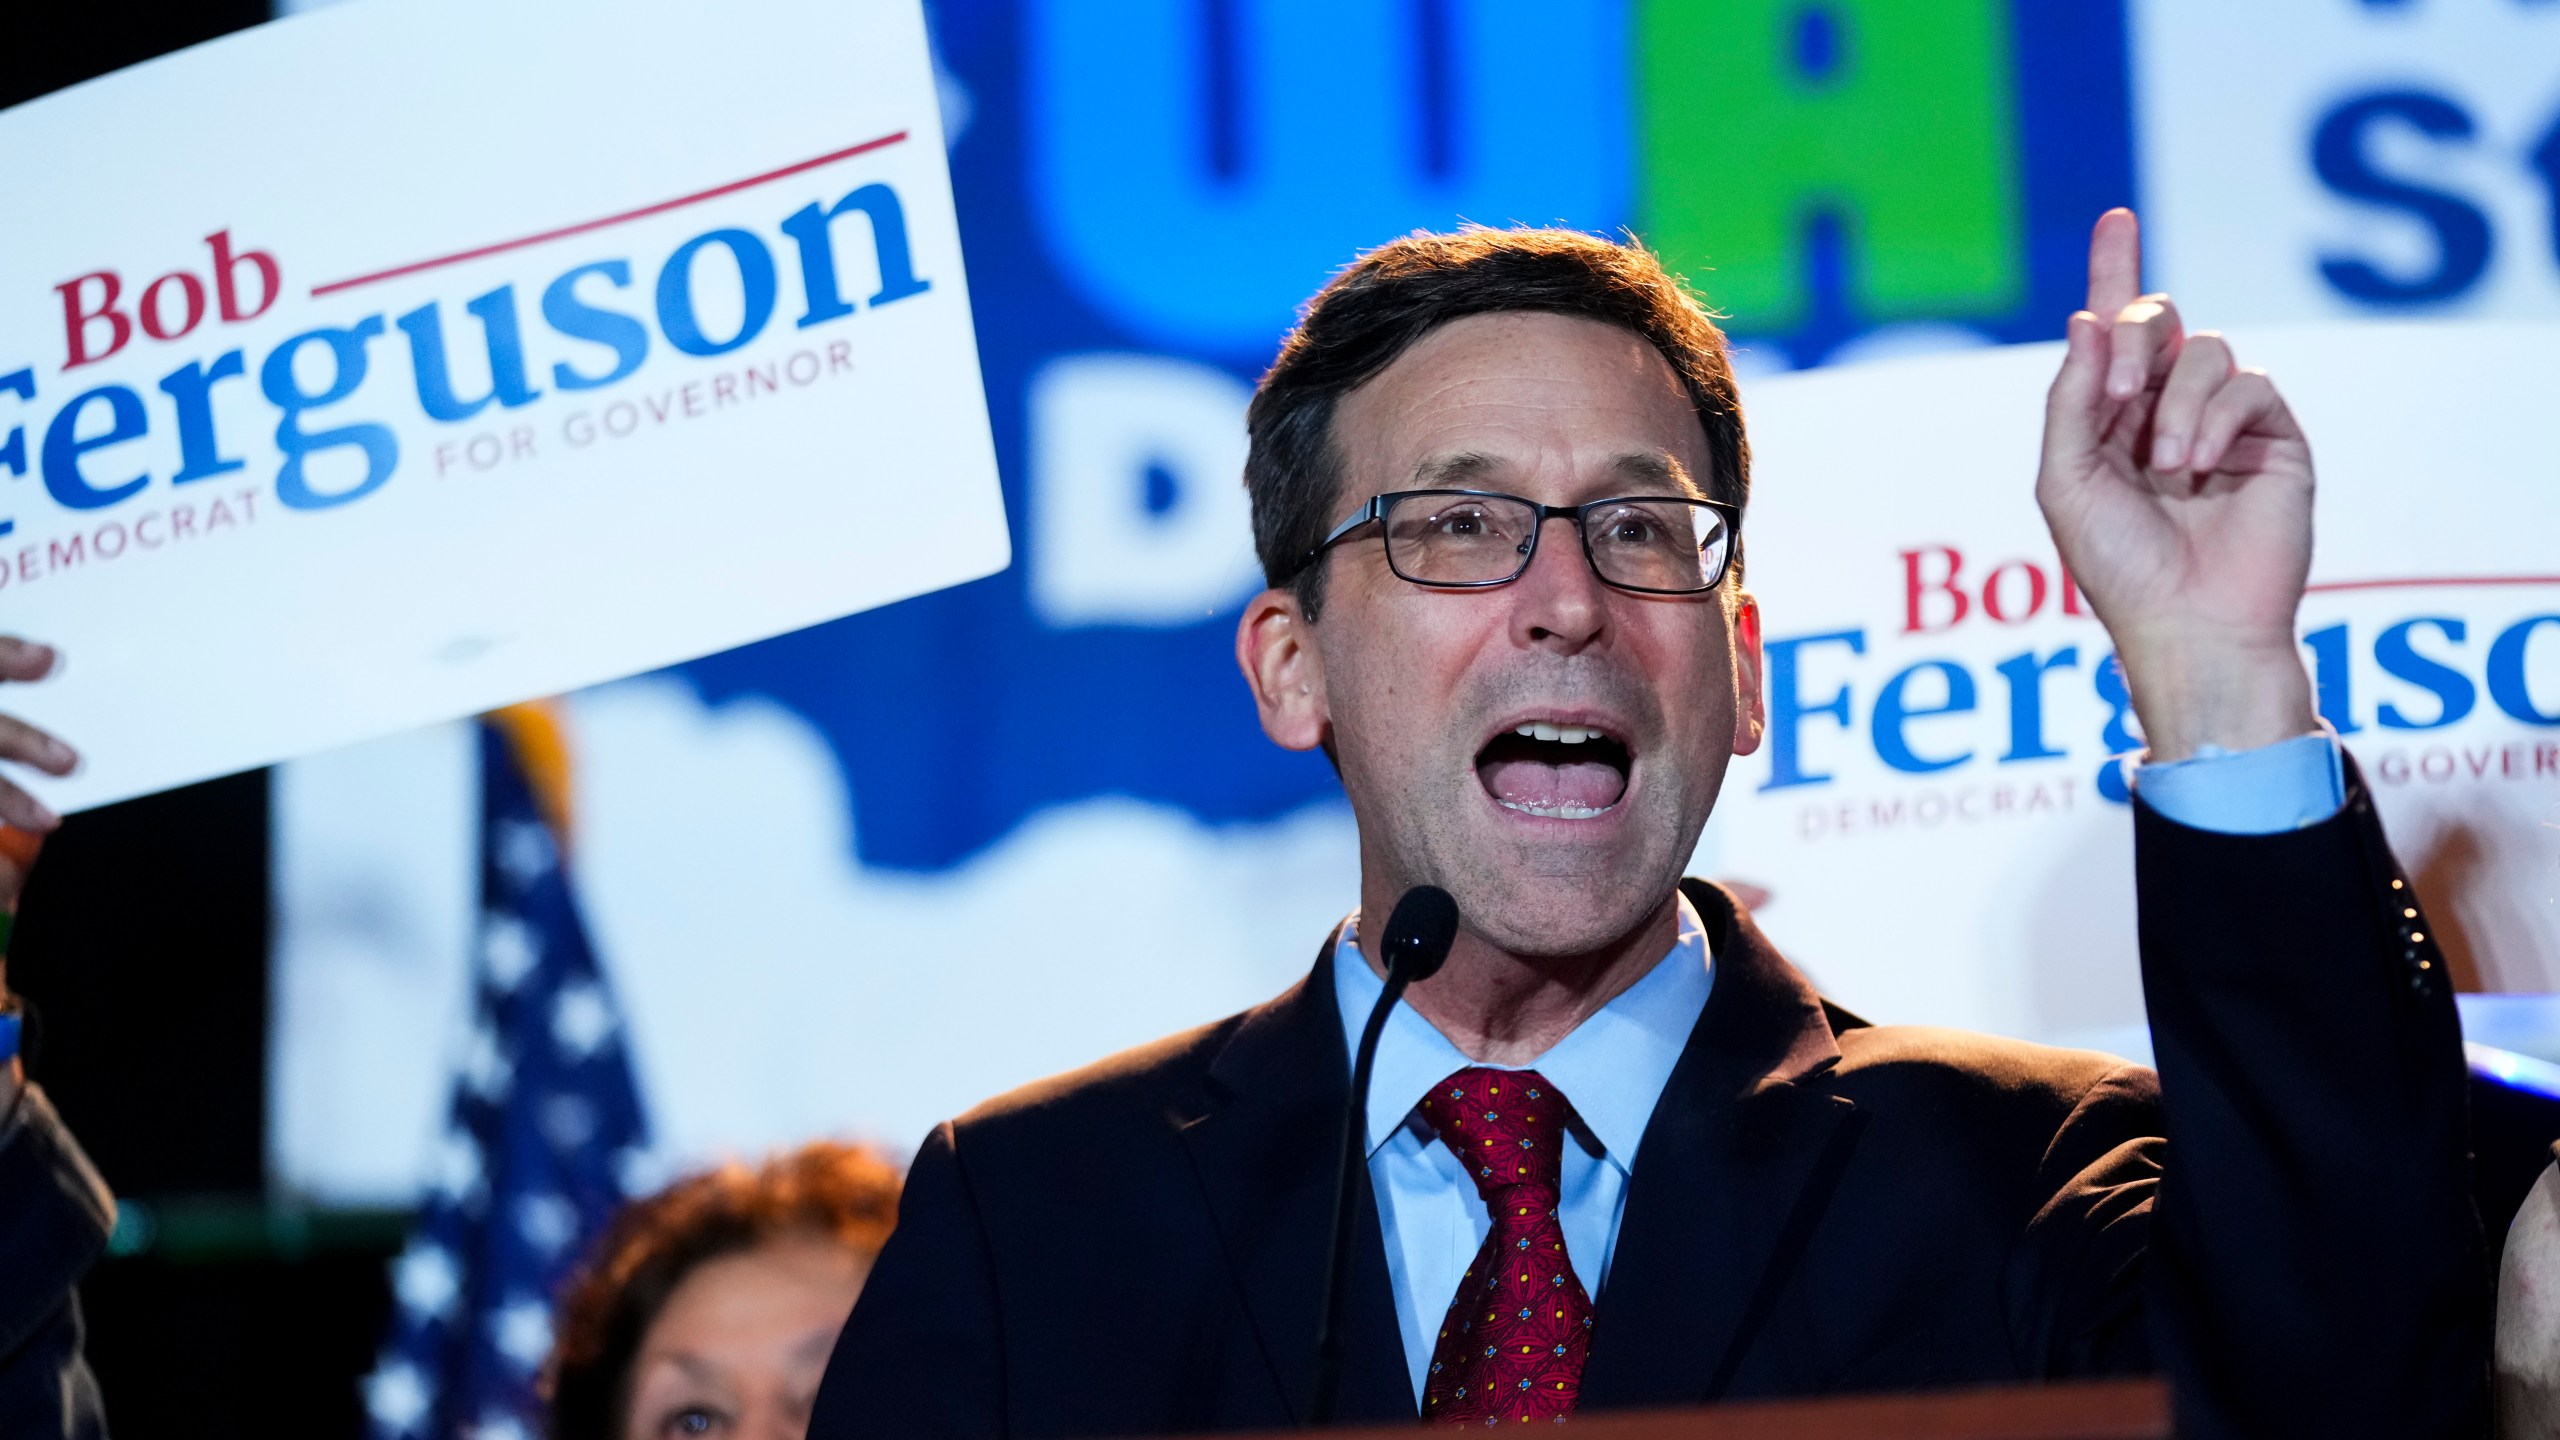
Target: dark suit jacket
1817	1205
55	1214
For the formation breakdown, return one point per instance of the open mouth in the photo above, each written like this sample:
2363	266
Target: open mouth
1558	771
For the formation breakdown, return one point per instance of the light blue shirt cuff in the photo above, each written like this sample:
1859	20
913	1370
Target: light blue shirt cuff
2265	791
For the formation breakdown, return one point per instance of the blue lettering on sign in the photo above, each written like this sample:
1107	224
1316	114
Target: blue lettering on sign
563	311
64	445
675	292
2333	678
2025	674
2506	672
1788	707
2399	657
190	387
1894	713
347	362
190	391
496	312
1198	167
807	227
21	383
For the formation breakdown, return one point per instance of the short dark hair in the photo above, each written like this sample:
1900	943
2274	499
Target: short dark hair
1392	296
843	1193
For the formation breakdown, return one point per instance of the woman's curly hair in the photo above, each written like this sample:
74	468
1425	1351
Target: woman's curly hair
845	1193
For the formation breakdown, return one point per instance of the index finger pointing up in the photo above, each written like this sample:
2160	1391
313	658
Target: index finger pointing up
2115	263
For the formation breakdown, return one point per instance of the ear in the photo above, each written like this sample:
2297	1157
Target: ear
1751	709
1275	647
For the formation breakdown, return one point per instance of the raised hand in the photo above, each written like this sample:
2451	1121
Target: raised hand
2178	489
27	819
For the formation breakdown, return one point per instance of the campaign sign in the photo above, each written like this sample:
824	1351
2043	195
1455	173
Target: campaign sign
401	360
1939	814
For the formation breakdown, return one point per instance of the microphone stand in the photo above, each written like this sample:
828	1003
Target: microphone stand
1417	940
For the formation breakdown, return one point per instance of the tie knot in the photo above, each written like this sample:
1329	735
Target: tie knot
1506	1126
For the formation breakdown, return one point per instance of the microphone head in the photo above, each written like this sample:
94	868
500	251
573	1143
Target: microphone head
1419	932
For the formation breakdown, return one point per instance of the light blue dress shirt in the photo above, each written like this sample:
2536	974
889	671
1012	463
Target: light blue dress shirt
1614	1065
1611	1068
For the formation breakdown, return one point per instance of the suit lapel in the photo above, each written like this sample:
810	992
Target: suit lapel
1277	1094
1734	1168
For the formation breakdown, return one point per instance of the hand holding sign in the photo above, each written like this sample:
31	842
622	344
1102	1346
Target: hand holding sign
2178	488
27	818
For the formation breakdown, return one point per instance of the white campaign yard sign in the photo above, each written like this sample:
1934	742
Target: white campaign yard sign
408	358
1934	814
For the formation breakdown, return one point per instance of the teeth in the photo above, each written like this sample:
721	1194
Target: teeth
1562	734
1558	812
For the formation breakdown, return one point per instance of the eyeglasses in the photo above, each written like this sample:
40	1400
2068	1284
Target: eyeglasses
1465	539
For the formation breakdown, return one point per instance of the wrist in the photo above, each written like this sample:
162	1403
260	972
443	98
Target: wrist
2233	696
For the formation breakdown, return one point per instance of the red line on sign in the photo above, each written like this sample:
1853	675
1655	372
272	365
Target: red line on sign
2423	581
662	207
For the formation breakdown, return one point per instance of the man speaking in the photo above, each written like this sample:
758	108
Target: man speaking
1619	1152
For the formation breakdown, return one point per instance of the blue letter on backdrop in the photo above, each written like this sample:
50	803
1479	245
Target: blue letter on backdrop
2341	151
1198	167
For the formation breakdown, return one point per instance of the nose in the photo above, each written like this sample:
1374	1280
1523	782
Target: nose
1558	603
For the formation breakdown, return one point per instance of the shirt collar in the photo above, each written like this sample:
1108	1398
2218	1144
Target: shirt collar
1612	1067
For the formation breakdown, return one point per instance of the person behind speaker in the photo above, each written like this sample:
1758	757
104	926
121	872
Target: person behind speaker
56	1212
1622	1153
707	1309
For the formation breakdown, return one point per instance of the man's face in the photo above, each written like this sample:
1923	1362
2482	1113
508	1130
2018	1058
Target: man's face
1567	837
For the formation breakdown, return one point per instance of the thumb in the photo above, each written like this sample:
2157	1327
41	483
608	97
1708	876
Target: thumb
2075	409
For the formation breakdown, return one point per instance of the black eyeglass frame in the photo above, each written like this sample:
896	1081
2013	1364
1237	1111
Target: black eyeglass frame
1375	512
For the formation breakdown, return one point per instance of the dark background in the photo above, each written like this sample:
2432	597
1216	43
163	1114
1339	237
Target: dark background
222	1309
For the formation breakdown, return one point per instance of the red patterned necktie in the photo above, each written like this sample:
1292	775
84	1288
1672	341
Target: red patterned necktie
1513	1344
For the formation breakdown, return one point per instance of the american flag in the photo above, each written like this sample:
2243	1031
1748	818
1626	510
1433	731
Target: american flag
543	1132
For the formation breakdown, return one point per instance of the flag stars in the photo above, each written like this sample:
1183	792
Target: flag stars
485	1069
396	1396
580	1019
458	1167
426	1280
544	1129
521	1331
548	1222
524	851
508	951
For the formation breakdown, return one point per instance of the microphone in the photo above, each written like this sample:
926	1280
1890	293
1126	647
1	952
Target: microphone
1417	939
